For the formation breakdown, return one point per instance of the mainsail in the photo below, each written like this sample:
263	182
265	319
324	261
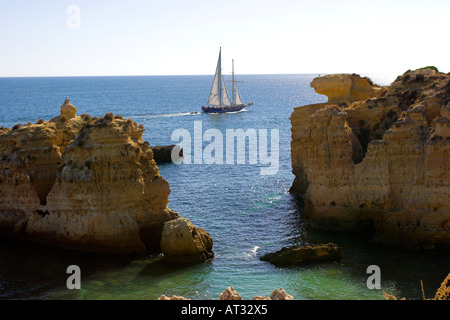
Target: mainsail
214	96
219	93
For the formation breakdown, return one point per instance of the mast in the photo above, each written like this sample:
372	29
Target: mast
219	67
232	81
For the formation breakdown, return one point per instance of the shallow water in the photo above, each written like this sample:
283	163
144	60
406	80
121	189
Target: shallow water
246	213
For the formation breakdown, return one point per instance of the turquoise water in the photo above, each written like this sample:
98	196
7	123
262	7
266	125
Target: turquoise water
247	214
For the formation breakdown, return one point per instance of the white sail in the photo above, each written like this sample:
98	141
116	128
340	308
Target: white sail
225	98
237	96
214	98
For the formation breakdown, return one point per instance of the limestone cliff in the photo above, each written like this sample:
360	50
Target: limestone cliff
82	183
379	163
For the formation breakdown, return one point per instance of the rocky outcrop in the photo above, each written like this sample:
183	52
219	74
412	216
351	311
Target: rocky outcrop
83	183
230	294
280	294
173	297
182	242
68	110
30	155
277	294
379	163
298	256
162	154
345	87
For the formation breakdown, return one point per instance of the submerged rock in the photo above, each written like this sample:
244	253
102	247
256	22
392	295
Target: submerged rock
182	242
173	297
297	256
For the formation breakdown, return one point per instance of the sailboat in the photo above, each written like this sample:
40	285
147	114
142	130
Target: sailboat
219	101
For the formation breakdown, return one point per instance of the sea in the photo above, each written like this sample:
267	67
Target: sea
246	213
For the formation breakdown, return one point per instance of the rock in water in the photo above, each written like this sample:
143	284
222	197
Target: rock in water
376	160
173	297
230	294
277	294
297	256
83	184
164	153
280	294
181	241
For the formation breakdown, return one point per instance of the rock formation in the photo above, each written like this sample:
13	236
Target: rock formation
181	241
163	154
280	294
230	294
297	256
173	297
379	163
83	183
345	87
68	110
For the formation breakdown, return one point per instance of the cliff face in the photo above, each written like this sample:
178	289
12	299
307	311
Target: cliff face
82	183
380	163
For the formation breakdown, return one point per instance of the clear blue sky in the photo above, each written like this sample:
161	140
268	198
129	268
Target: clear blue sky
131	37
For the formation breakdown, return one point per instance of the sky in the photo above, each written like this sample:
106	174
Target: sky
183	37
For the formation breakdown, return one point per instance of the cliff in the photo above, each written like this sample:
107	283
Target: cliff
377	159
82	183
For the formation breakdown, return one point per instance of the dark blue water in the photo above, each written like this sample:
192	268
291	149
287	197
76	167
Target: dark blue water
246	213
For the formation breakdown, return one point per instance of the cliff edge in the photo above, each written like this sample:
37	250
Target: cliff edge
376	158
82	183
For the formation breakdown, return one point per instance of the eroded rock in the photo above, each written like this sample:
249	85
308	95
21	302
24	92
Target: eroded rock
181	241
173	297
83	183
378	164
297	256
230	294
68	110
345	87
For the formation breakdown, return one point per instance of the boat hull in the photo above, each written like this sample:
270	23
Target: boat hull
224	109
